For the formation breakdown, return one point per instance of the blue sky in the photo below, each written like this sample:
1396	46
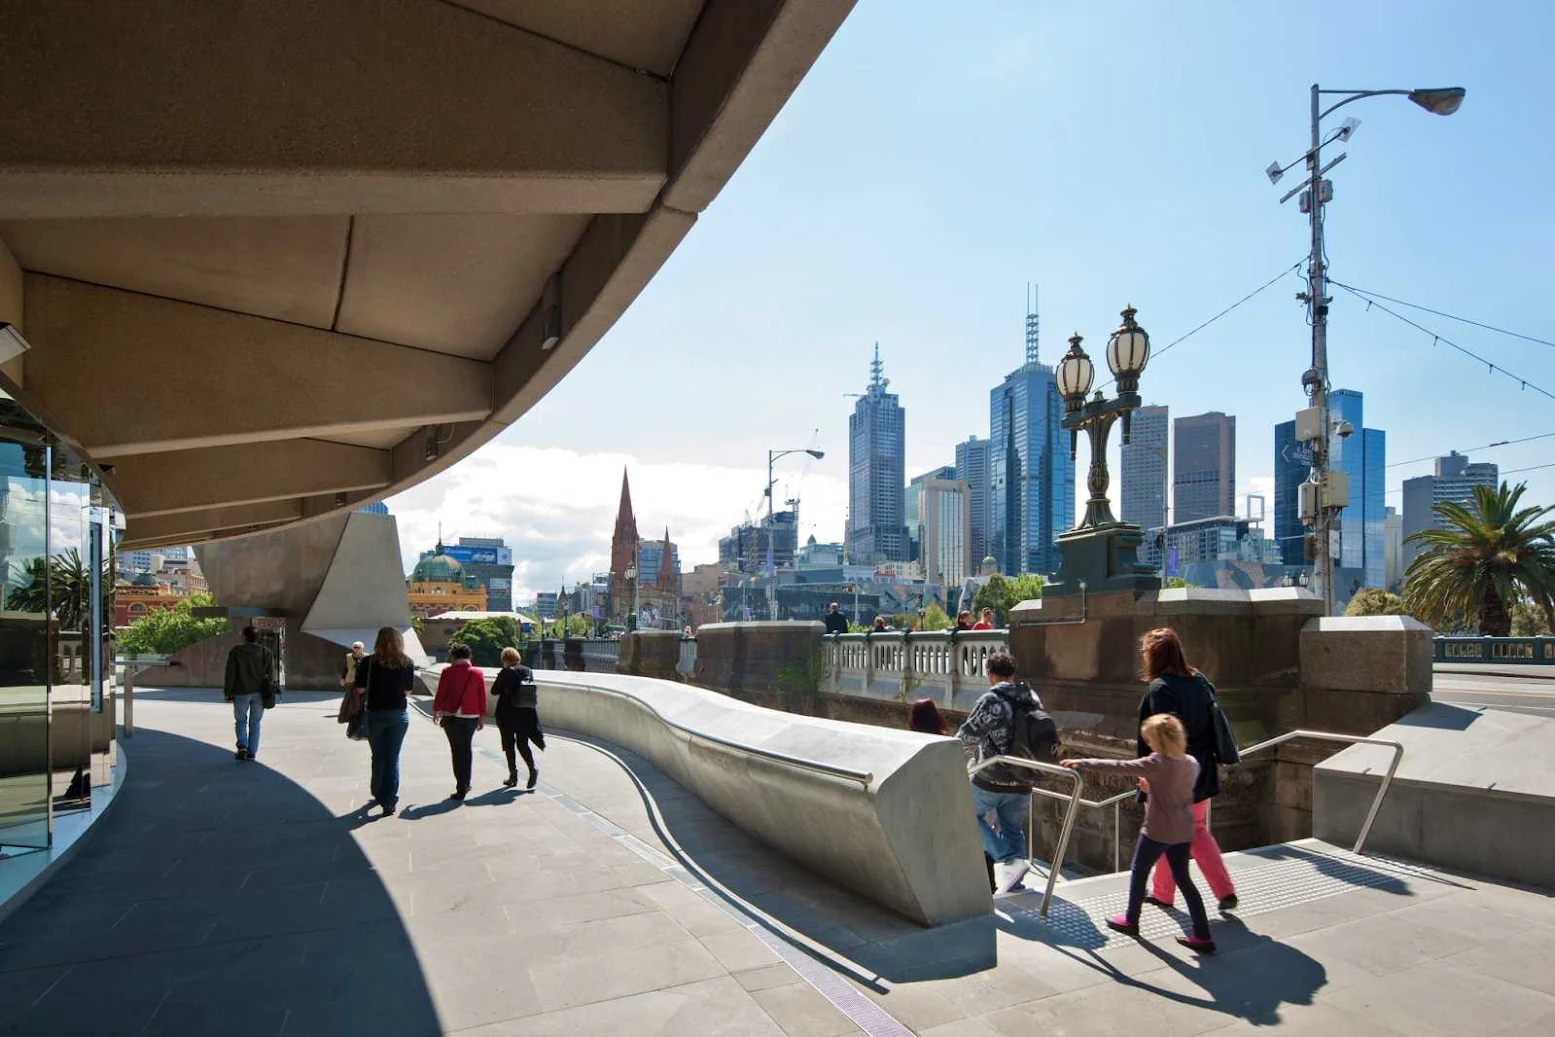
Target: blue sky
935	160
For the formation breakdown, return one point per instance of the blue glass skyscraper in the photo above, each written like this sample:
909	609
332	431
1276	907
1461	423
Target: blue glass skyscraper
1362	456
1030	472
877	445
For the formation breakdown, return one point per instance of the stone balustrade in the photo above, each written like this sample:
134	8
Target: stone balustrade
947	666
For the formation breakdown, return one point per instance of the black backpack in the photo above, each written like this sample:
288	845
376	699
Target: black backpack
1033	736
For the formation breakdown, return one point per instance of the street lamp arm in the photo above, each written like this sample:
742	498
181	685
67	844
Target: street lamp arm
1356	95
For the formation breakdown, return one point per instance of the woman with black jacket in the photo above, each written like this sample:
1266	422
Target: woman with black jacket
1179	689
517	715
384	679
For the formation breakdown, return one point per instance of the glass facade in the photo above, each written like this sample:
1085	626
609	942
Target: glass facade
877	446
1363	537
972	469
57	529
1292	465
1030	472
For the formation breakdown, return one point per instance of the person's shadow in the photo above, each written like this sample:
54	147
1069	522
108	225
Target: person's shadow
446	806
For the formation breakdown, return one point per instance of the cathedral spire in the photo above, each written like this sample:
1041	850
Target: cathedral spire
626	522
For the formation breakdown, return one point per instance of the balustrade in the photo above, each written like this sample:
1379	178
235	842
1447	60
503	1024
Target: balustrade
948	667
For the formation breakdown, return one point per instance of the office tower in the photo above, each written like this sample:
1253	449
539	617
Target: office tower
1204	467
1030	472
1393	522
490	561
1453	481
1362	456
972	469
876	458
1292	465
1143	490
944	527
911	516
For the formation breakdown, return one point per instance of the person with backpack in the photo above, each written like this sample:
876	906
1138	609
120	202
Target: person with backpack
1179	689
459	708
517	715
1007	721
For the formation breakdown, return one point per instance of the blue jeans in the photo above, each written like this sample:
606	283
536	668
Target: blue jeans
385	734
248	712
1005	839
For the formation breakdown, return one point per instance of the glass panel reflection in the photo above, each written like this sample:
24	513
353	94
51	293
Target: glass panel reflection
24	634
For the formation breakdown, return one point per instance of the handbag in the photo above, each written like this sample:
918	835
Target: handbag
1226	749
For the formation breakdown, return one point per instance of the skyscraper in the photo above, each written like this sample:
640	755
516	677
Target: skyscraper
877	439
945	514
1362	457
912	517
972	469
1143	490
1454	481
1030	472
1204	467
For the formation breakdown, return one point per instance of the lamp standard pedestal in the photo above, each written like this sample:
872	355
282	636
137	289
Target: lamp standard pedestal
1101	553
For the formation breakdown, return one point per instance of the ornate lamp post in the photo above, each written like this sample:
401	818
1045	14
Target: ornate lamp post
1128	350
1101	551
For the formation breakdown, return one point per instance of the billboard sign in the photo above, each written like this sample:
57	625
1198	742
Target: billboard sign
480	555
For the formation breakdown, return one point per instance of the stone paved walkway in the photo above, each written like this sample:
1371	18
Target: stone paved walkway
220	898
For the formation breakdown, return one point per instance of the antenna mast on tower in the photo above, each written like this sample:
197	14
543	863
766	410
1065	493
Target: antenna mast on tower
876	369
1033	324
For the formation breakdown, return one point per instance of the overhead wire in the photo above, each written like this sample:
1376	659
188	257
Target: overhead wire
1469	449
1368	293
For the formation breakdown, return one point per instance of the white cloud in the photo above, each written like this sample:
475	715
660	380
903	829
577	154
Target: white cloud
556	508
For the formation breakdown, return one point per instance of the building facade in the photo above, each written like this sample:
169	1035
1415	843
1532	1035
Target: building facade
1203	467
1453	482
623	556
1292	465
439	584
1362	456
944	507
911	512
489	560
744	550
1393	523
877	441
972	469
1030	473
1142	492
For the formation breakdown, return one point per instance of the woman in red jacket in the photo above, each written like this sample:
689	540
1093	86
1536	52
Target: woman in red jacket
459	707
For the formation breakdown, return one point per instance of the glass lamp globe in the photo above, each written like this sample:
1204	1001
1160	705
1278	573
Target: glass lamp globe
1128	351
1075	374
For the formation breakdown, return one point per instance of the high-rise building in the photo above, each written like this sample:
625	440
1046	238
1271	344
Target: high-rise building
1203	467
1030	472
1362	456
911	515
1453	482
1292	464
1143	490
944	510
745	548
972	469
877	441
490	561
653	571
1393	523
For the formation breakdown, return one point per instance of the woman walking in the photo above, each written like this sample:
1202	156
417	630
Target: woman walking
385	678
1179	689
518	716
459	708
1167	775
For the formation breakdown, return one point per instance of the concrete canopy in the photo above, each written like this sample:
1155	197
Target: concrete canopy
276	260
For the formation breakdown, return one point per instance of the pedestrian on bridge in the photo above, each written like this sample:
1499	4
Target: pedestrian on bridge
517	714
385	679
459	708
1001	793
1167	775
249	681
1179	689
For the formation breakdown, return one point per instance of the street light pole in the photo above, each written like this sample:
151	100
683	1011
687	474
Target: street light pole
773	456
1322	498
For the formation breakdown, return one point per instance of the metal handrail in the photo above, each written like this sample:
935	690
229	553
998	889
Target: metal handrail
1069	815
863	777
1115	801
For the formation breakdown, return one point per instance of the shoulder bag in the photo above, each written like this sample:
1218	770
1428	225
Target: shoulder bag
1226	749
356	725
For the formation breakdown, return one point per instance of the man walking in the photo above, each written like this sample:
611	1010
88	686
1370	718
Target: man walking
250	675
1001	793
353	659
836	622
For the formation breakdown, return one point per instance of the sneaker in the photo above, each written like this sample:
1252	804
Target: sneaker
1228	903
1014	872
240	755
534	776
1121	924
1198	946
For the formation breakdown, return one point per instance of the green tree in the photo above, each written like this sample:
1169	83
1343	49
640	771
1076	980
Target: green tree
935	618
1491	554
170	630
1376	602
487	637
1528	621
1001	593
1172	582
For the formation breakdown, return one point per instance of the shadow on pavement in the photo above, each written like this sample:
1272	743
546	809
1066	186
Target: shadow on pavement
215	898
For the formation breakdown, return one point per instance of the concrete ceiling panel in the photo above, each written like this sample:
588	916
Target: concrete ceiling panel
454	284
645	34
284	268
379	439
197	480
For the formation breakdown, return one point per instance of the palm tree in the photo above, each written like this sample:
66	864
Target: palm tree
1491	555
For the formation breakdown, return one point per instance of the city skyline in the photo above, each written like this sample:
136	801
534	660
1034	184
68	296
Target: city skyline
757	354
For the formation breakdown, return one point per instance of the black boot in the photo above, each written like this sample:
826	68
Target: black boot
534	776
512	780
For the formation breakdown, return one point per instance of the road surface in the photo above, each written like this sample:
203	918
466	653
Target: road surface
1533	694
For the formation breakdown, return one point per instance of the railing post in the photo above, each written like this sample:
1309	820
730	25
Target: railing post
129	701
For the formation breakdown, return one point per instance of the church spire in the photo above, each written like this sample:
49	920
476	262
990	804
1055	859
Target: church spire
626	522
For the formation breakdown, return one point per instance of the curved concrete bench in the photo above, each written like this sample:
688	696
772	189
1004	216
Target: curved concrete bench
885	813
